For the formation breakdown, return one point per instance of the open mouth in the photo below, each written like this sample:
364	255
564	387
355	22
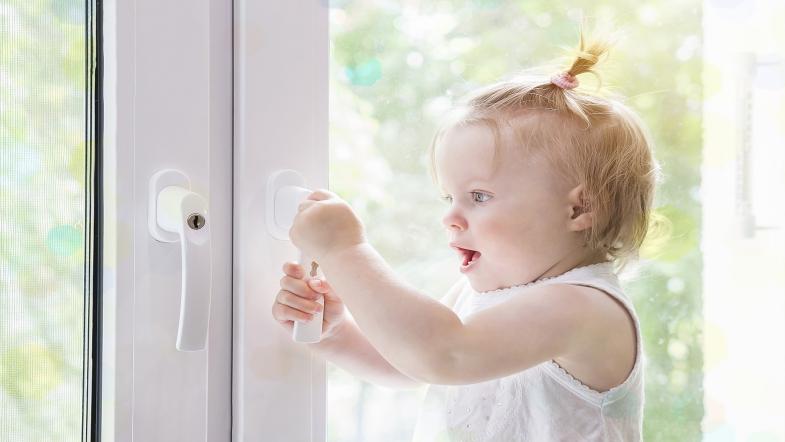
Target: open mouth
470	257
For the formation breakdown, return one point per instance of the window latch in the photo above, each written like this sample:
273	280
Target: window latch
176	214
285	191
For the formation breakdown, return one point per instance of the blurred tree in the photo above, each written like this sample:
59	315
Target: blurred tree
42	219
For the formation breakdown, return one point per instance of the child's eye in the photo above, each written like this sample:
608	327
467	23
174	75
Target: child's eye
481	200
448	198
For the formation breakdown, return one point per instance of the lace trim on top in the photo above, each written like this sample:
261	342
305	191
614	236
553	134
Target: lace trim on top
594	396
538	281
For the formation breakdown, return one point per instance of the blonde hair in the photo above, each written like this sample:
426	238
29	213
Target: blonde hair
589	139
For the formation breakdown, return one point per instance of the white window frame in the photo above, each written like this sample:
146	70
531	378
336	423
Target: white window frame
168	104
281	85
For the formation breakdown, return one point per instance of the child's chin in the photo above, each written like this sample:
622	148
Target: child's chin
478	285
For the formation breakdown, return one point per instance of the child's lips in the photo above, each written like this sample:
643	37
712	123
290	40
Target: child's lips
470	260
466	255
461	251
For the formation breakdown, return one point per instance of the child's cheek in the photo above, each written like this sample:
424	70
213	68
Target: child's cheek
514	232
496	233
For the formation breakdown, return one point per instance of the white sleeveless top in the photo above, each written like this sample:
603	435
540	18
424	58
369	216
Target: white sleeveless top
541	403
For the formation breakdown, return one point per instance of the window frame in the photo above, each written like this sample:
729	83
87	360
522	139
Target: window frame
281	90
168	104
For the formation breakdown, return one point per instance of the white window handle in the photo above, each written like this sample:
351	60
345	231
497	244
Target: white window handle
179	215
285	191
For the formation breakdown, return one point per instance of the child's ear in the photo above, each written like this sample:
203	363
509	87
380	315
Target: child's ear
580	214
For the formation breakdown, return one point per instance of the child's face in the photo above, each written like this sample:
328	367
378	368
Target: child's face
518	219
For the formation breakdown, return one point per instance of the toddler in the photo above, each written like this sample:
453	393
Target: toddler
549	190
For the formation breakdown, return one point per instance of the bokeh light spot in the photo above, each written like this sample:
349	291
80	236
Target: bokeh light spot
30	371
365	74
26	162
64	240
676	235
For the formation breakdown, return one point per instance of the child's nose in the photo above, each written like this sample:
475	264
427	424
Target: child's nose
452	220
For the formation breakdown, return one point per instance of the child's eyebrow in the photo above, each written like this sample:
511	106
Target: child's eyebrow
469	183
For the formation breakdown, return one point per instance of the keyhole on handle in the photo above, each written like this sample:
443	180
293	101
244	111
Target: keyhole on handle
195	221
314	266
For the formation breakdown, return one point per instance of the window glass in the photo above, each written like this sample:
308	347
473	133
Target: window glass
743	359
45	221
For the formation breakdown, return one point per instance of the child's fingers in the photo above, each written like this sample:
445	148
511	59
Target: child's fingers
282	312
286	299
299	287
298	302
318	285
288	325
324	288
293	269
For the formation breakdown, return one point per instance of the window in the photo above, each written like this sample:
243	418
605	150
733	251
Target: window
50	236
243	89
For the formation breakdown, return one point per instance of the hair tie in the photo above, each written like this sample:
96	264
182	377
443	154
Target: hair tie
565	81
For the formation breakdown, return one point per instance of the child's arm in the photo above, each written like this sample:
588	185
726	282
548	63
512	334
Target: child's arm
412	331
350	350
427	341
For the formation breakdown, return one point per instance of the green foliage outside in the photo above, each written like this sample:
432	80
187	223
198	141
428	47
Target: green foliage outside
42	219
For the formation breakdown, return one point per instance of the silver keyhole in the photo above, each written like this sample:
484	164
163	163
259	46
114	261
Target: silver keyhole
196	221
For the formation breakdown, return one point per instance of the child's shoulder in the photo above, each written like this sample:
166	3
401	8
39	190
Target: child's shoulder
606	353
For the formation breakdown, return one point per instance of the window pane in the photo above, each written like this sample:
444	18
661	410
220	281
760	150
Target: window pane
45	219
743	233
397	67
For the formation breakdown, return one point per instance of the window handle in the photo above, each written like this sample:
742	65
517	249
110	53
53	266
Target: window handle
176	214
285	191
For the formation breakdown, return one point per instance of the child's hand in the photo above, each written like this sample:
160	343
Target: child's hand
296	301
325	223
